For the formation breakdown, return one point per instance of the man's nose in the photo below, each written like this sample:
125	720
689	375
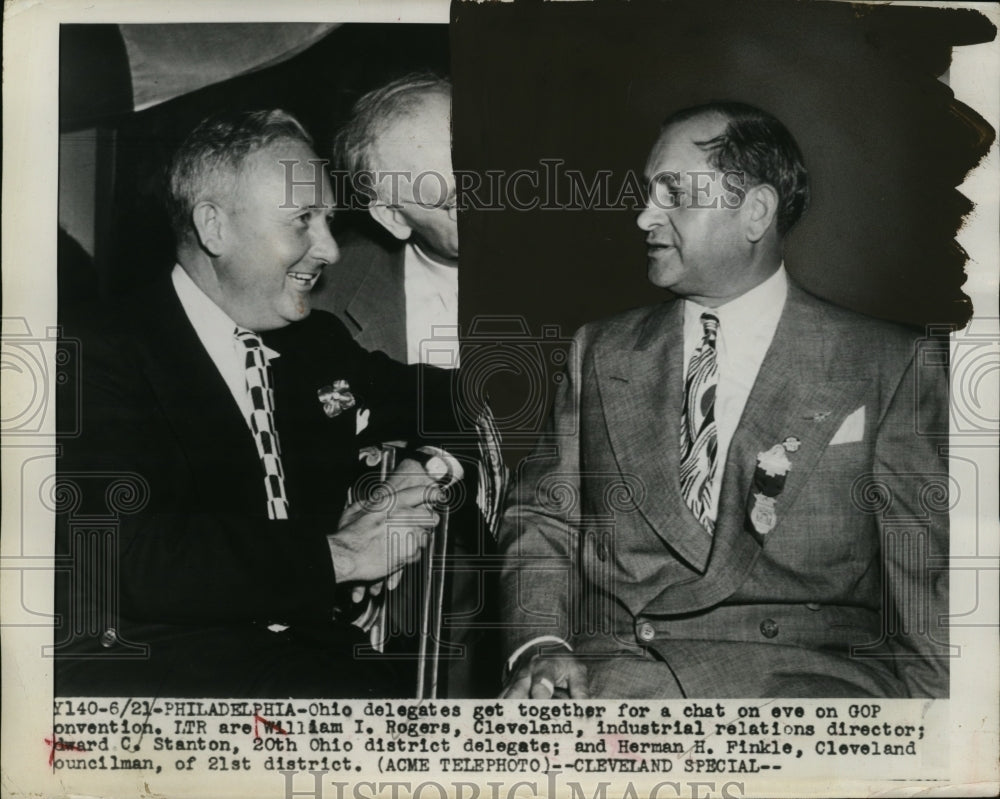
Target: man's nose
650	217
324	247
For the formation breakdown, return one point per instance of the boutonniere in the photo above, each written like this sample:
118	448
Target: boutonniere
768	482
336	398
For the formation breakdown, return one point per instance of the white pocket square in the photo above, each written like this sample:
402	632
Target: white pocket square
852	429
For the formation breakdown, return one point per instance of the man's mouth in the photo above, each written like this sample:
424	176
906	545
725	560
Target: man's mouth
305	280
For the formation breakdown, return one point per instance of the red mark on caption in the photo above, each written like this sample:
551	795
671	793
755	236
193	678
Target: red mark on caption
62	746
270	725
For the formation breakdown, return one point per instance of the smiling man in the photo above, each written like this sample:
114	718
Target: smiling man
203	394
739	503
253	232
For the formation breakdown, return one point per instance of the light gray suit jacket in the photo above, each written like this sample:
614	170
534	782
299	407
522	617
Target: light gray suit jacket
846	596
365	290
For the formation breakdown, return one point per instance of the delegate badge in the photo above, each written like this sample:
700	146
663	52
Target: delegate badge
762	515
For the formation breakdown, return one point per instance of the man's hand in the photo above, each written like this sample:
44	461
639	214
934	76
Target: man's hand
372	543
547	676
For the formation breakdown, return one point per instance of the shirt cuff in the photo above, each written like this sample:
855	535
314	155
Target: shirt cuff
542	639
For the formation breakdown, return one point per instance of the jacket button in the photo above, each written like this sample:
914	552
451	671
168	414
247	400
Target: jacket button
646	632
109	638
813	605
769	628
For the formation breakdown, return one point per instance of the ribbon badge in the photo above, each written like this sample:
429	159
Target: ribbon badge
336	398
769	477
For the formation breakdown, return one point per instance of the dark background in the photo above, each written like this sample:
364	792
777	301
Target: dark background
885	142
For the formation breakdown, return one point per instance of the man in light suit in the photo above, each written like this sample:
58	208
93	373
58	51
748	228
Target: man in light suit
744	499
233	418
396	149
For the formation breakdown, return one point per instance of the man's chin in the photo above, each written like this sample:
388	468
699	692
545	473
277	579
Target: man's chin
299	308
444	258
661	275
292	313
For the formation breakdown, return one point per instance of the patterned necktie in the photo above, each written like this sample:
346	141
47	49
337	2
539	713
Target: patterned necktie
699	440
258	377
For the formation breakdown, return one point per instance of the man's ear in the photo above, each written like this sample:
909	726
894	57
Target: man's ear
391	217
209	223
761	209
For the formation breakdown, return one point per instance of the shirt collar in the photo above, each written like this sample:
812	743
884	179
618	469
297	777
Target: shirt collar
210	322
756	308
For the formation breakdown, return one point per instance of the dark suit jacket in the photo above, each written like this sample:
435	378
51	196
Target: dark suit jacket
193	572
364	289
847	595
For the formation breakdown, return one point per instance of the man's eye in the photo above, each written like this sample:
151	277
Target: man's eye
672	197
667	196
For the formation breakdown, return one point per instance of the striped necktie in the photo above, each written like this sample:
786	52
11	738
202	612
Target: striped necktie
258	381
699	439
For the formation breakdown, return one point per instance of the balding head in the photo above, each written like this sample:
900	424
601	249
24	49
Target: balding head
399	141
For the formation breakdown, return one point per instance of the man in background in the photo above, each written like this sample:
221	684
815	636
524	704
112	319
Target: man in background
744	499
392	295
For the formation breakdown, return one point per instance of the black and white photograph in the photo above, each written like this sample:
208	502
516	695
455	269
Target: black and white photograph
213	515
682	485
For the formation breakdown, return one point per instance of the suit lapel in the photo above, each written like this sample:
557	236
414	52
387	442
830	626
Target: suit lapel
319	454
199	407
805	385
641	395
378	305
801	375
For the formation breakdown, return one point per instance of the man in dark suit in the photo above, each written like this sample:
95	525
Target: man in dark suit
745	500
233	420
396	149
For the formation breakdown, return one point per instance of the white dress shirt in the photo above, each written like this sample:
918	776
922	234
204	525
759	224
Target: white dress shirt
216	332
431	309
746	329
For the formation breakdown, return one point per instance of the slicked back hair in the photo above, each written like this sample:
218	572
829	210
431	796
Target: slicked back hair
759	146
210	159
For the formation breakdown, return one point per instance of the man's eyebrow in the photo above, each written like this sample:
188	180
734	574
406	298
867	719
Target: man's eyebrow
664	176
310	208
